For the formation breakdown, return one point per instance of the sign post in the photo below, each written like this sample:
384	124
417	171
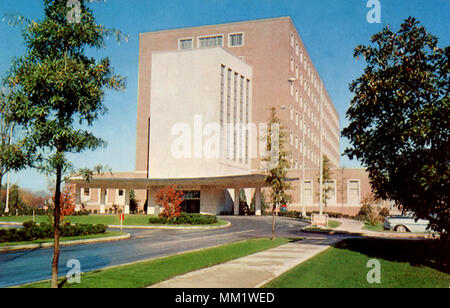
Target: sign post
121	218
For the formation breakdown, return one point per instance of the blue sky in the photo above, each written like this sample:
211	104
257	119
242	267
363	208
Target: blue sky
330	30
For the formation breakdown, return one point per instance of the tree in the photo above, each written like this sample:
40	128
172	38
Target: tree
277	163
33	200
170	199
56	89
133	202
15	201
399	121
326	178
12	156
67	201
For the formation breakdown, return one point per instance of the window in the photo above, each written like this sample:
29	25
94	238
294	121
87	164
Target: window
210	41
307	192
86	192
120	192
185	44
292	64
292	138
191	202
296	48
331	187
236	40
296	142
292	40
353	191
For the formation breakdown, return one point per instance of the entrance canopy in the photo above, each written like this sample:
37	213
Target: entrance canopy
238	181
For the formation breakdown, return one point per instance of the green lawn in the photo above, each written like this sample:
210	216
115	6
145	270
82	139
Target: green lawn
130	220
404	264
146	273
378	227
64	239
333	224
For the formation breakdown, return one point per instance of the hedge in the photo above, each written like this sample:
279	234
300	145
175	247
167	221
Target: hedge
185	219
31	231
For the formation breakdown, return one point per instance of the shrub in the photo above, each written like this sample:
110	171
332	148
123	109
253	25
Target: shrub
170	199
371	210
290	214
81	213
384	212
196	219
31	231
185	219
159	220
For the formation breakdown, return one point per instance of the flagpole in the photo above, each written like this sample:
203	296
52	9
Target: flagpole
7	183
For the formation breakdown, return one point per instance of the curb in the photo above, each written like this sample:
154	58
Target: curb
65	243
375	234
11	223
227	225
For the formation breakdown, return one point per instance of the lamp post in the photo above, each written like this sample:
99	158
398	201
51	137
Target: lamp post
303	143
321	151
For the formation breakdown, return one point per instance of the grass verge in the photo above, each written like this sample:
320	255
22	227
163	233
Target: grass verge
404	264
130	220
378	227
332	224
142	274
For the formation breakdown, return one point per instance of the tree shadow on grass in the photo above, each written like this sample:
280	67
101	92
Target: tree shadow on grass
415	252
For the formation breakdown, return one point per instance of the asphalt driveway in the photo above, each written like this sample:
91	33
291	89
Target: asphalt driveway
35	265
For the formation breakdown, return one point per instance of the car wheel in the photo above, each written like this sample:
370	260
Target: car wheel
400	229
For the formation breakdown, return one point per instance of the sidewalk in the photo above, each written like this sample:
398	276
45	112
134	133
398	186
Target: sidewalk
354	227
252	271
349	225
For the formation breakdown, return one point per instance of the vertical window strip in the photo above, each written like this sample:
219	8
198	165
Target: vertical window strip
241	120
222	108
235	116
228	133
247	110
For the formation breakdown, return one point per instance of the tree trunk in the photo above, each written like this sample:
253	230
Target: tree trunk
273	221
1	178
57	228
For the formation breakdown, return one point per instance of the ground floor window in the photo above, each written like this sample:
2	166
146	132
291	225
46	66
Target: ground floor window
191	202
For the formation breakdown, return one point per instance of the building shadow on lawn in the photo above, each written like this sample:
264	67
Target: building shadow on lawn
419	253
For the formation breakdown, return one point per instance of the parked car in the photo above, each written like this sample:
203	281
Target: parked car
406	223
